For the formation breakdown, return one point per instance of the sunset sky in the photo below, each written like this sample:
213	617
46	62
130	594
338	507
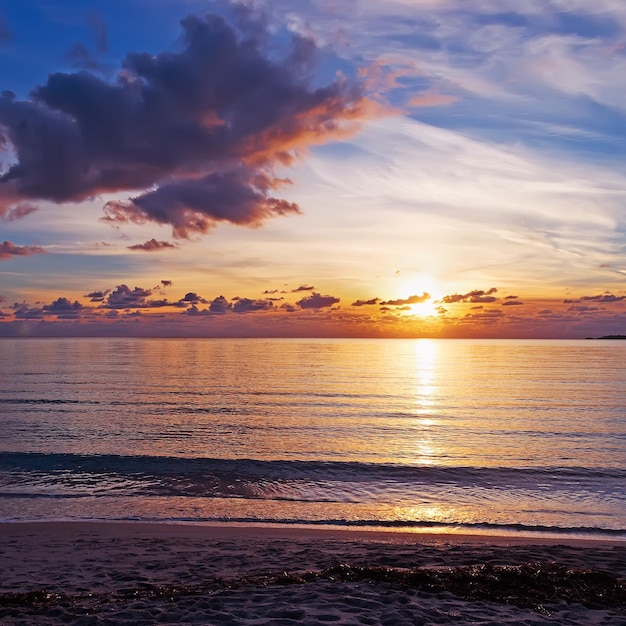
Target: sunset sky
397	168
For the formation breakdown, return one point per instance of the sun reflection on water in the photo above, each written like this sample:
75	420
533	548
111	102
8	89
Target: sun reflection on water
425	399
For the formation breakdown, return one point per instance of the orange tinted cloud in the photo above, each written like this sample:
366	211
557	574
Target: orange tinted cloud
201	128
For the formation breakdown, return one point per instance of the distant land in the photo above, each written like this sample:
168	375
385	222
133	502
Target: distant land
608	337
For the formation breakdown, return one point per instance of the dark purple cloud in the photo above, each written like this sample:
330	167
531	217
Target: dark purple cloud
220	305
8	250
97	296
366	302
202	127
607	298
166	283
153	246
122	297
303	288
246	305
476	296
410	300
317	301
192	298
63	306
25	312
240	196
64	309
512	302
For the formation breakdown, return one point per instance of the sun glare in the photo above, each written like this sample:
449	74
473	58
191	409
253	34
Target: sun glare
424	309
423	284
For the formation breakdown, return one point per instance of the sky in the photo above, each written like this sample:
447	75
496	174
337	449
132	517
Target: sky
320	168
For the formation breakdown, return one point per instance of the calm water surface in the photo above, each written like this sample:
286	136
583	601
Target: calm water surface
496	435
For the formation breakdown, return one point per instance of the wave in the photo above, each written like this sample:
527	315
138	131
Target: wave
277	479
504	529
347	470
552	499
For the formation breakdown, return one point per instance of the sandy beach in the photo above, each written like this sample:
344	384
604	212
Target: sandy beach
136	573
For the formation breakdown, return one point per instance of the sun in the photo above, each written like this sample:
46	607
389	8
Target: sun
424	309
423	284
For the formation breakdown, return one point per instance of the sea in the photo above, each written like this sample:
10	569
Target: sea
472	436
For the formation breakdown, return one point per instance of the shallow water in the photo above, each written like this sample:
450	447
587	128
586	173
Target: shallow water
501	435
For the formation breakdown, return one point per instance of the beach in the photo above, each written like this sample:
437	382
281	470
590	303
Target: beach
326	482
145	573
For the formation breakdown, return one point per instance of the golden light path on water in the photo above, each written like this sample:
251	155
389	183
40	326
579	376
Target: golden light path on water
425	383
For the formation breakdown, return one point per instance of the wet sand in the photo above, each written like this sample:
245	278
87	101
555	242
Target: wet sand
144	573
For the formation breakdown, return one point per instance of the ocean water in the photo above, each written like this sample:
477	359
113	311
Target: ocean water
455	435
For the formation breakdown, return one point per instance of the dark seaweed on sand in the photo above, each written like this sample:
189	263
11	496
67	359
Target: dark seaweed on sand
529	585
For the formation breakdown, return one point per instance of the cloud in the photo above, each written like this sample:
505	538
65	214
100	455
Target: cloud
64	308
166	283
303	288
18	212
478	295
606	298
410	300
220	305
122	297
202	129
512	303
603	298
366	302
97	296
317	301
153	246
246	305
192	298
239	196
8	250
25	312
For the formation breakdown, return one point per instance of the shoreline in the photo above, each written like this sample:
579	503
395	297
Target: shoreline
193	529
137	572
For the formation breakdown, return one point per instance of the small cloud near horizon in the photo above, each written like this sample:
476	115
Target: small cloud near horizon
153	246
